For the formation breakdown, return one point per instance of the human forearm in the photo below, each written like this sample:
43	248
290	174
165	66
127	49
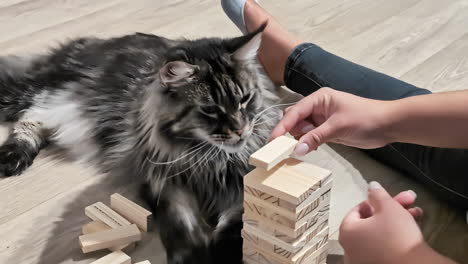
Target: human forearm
439	120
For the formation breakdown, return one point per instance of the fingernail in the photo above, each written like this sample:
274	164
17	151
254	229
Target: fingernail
373	185
307	128
301	149
413	193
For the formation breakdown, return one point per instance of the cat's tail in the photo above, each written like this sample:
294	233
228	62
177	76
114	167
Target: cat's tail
14	89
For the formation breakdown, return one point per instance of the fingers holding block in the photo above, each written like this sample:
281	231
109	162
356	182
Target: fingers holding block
109	238
273	153
116	257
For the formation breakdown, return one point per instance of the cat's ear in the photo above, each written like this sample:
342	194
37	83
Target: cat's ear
245	48
176	73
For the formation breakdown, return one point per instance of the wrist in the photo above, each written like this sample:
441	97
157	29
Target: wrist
391	118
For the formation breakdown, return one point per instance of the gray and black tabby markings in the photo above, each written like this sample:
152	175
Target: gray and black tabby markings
182	116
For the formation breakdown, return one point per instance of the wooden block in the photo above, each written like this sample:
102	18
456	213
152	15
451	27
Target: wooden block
323	187
270	239
282	231
312	202
94	226
109	238
131	211
144	262
101	212
292	180
309	254
116	257
272	214
273	153
308	235
97	226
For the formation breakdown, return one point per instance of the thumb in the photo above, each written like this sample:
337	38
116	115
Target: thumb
316	137
378	197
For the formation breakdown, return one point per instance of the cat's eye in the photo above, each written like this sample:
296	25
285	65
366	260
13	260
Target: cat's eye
246	99
209	110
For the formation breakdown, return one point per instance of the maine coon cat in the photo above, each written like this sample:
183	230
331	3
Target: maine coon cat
182	116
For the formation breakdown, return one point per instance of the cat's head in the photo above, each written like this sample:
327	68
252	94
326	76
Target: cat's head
211	90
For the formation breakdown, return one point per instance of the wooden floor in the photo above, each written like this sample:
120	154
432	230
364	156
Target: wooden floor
424	42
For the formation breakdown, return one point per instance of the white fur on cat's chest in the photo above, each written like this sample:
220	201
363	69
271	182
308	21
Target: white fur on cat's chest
64	117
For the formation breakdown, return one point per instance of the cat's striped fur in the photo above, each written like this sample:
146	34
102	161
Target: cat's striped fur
186	114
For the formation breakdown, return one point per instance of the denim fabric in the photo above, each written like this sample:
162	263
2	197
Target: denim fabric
445	171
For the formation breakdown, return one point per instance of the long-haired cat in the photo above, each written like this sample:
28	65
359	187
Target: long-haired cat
184	114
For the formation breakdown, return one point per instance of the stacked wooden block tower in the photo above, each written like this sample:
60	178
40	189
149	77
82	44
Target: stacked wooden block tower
286	207
115	228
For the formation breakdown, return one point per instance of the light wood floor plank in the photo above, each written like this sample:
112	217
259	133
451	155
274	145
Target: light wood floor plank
403	41
30	16
445	71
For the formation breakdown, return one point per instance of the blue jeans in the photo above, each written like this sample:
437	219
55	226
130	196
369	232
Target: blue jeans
443	170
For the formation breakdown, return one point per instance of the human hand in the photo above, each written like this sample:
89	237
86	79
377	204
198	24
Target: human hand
382	230
333	116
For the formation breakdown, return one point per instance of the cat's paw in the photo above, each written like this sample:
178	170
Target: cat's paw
14	159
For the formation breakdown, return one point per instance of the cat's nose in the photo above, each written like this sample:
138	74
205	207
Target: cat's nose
239	132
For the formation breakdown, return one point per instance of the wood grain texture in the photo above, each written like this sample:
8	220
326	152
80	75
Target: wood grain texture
291	180
101	212
272	241
116	257
324	197
97	226
262	217
118	236
309	254
131	211
420	41
255	206
273	153
283	256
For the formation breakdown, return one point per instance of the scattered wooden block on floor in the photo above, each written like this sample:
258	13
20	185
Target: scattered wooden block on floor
116	257
109	238
97	226
101	212
93	227
144	262
131	211
273	153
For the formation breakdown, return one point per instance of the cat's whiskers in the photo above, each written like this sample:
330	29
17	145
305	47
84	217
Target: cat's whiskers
260	136
268	108
191	151
200	161
192	165
268	116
